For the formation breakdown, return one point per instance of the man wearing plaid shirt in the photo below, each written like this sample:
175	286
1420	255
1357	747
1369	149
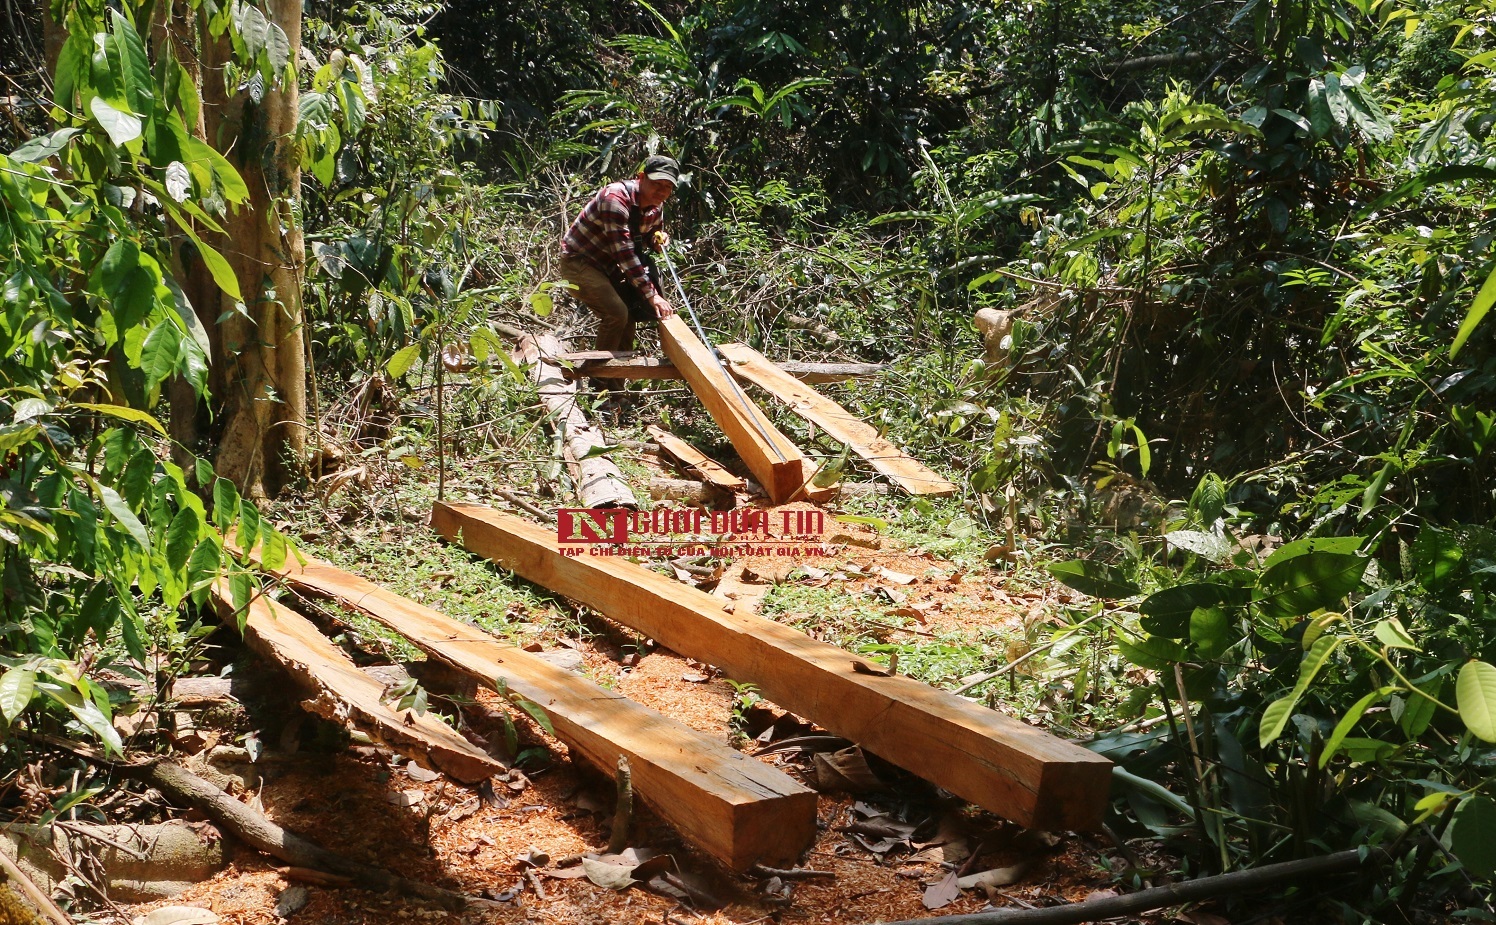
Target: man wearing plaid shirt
602	254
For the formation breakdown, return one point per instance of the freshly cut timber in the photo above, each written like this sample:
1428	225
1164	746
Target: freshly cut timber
341	693
1012	769
599	483
612	364
708	468
777	463
739	810
917	479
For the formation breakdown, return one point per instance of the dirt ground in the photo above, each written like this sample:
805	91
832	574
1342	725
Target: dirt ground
515	851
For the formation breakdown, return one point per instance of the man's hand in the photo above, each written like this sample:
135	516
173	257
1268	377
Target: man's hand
663	308
662	240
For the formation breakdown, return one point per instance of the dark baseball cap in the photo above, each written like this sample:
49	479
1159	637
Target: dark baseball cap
660	167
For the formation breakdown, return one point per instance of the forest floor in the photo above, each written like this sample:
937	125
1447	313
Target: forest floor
896	578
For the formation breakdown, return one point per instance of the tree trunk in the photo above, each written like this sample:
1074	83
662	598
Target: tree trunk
259	355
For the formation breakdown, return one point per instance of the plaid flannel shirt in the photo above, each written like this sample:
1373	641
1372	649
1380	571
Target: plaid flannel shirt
601	234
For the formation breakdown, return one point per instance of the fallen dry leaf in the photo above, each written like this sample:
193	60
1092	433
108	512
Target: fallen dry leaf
177	915
845	770
942	894
406	797
417	773
989	881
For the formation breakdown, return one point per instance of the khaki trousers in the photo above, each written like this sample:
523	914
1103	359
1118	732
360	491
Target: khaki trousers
616	306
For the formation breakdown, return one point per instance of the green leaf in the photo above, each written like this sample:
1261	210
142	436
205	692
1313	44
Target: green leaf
1347	544
1095	579
1436	554
541	303
124	413
202	160
218	267
1210	630
277	47
1348	722
181	538
1204	543
1478	309
1418	711
16	688
273	552
44	146
1472	835
139	87
250	526
1475	695
116	506
1209	498
1168	612
1306	583
158	359
122	127
535	711
1153	652
1392	634
1276	716
225	504
403	359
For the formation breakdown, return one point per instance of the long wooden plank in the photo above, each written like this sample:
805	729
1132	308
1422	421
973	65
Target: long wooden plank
1003	765
708	468
630	365
778	464
341	693
911	475
739	810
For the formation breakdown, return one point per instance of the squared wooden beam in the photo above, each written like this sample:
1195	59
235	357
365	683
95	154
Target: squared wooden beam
999	763
702	464
914	477
737	809
340	692
778	464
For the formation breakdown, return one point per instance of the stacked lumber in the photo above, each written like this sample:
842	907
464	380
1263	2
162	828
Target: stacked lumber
739	810
1002	765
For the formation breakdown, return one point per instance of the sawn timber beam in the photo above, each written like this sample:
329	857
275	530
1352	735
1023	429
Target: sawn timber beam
778	464
908	473
340	692
994	761
737	809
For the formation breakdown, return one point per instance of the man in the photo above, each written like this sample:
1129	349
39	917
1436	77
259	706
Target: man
604	252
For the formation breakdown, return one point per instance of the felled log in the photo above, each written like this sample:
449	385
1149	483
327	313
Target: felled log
599	483
692	458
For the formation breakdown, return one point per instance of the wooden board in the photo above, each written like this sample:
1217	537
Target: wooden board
999	763
917	479
629	365
778	464
739	810
340	692
708	468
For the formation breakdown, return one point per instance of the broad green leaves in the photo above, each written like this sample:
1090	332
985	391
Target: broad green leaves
1476	313
1475	693
1305	583
1094	578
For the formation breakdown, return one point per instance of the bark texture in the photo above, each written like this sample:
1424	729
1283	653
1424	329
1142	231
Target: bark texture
257	435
